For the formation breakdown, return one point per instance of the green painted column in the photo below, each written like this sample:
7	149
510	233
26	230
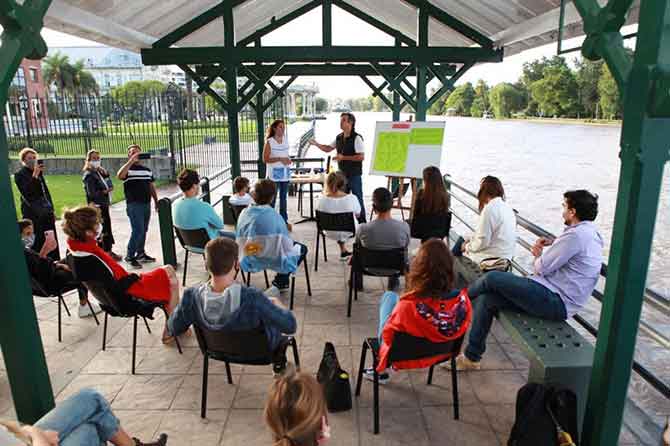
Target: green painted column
260	131
421	70
644	152
232	109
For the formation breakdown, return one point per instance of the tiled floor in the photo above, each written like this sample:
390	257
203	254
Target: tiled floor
164	395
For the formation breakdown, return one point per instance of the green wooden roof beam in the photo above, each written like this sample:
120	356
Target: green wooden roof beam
279	91
377	91
310	70
279	23
396	83
259	85
374	22
327	22
306	54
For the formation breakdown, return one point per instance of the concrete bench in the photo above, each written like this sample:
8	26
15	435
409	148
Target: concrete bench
557	353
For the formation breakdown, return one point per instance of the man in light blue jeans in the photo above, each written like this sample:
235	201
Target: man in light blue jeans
563	279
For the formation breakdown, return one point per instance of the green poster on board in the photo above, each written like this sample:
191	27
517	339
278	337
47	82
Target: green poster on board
427	136
391	153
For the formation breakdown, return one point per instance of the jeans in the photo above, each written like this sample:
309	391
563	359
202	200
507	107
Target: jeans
386	306
457	249
497	291
139	215
355	186
84	419
281	280
282	191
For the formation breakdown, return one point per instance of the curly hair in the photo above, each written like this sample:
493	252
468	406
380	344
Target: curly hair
76	222
432	270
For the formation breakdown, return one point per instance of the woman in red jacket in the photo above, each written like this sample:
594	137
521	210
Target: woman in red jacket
429	309
83	227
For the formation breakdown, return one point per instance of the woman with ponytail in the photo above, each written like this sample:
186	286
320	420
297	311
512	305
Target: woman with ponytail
296	411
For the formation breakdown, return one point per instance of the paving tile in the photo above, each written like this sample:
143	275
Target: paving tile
471	429
142	424
398	392
439	392
165	360
186	428
501	417
252	391
495	387
397	427
246	427
148	392
114	360
220	394
325	314
318	335
108	385
496	359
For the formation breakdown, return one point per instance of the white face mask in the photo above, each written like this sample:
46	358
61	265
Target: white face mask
28	241
95	164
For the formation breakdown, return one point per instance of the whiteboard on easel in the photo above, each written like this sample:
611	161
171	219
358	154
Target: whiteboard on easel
404	149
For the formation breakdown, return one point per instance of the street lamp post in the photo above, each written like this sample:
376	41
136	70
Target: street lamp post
23	101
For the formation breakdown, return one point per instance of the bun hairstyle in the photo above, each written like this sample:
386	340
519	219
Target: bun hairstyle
295	410
78	221
336	181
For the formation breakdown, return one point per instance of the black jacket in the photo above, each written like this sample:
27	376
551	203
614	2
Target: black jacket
34	193
95	187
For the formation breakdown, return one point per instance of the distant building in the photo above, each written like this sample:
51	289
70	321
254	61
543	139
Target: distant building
165	74
27	91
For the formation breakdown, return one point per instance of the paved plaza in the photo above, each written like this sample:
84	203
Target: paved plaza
164	395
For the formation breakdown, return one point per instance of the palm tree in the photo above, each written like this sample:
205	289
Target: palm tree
83	81
56	70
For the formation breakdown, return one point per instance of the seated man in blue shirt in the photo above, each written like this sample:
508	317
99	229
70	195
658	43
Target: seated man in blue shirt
189	212
564	277
223	304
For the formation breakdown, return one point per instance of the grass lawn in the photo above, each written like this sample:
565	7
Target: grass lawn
68	191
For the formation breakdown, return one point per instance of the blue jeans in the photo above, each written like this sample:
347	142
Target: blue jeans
386	306
497	291
84	419
457	249
281	280
282	191
139	215
355	186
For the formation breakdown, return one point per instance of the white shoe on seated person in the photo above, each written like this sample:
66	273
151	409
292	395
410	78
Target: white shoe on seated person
383	377
85	310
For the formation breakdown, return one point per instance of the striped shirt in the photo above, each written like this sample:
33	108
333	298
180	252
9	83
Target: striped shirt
137	185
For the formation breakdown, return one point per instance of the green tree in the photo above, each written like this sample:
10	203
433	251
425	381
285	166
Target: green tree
438	107
505	99
588	74
126	93
55	71
378	105
321	105
556	93
480	103
461	99
610	102
531	72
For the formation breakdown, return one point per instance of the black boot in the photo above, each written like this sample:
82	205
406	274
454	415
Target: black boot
162	441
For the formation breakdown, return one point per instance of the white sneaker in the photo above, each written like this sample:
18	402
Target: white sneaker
273	291
85	310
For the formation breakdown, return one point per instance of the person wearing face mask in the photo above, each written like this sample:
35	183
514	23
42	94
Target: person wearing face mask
36	202
55	276
82	226
98	188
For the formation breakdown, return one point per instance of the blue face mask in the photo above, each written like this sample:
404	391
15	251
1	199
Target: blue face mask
28	241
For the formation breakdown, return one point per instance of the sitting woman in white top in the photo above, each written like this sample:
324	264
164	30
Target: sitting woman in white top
241	195
336	201
495	236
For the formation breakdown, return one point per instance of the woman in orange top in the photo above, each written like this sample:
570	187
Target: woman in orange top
83	228
429	309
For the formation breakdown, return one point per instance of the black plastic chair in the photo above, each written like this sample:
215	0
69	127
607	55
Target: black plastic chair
426	226
236	210
247	280
341	222
114	300
374	262
40	290
192	240
406	347
248	347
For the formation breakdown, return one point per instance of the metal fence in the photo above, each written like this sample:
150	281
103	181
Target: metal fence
190	128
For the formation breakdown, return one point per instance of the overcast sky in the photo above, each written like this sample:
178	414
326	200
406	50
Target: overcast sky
349	30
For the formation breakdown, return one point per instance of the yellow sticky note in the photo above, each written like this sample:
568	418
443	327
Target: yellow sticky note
427	136
391	151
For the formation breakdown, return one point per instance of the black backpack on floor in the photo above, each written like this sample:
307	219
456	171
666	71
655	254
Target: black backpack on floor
534	424
334	380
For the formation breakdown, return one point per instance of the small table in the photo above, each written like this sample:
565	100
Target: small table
310	179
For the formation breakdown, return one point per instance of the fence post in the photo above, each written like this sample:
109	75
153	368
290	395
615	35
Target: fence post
205	190
167	232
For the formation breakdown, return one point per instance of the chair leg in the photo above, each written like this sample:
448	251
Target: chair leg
95	316
67	310
205	375
183	281
430	375
375	394
361	366
132	368
267	282
352	285
230	375
290	303
316	258
104	333
454	386
146	324
248	278
176	338
309	285
60	334
176	341
325	253
296	357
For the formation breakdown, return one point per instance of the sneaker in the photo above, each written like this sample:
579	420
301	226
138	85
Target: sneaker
273	291
85	310
145	258
162	441
280	286
344	256
463	364
369	374
115	256
132	261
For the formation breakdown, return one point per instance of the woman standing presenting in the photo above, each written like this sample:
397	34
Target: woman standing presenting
98	187
36	202
275	155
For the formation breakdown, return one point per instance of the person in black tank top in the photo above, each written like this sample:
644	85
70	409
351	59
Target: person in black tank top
350	155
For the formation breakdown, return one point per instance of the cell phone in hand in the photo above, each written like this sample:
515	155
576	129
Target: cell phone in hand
144	156
40	163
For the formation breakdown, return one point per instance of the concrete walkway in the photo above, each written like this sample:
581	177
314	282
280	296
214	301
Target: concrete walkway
164	395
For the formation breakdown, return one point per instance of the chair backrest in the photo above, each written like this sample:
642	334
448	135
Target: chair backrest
236	210
406	347
335	222
240	347
425	226
379	261
38	288
98	278
192	238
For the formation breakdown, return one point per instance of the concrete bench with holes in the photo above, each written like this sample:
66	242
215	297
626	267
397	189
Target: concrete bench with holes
558	354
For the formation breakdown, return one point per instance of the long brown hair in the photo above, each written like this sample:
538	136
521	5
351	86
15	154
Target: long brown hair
432	270
490	187
79	220
295	409
273	128
434	196
336	181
